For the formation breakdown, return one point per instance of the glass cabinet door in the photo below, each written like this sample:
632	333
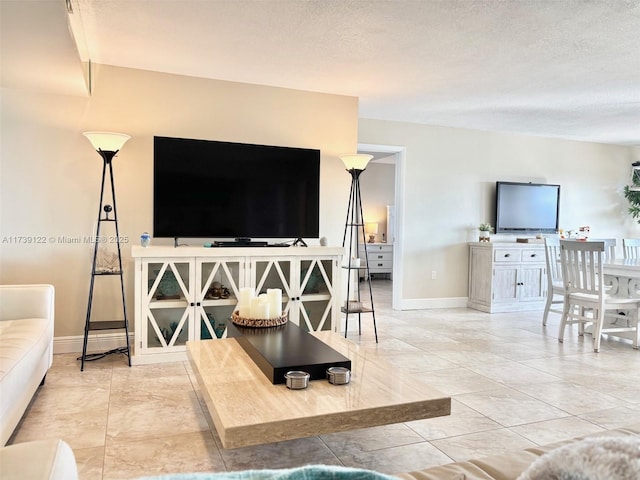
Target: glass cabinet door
167	304
316	291
219	281
275	273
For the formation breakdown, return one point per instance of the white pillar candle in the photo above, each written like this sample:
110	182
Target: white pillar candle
255	306
244	310
260	307
264	306
246	294
274	297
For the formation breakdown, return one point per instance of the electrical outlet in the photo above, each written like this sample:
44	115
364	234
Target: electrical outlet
433	274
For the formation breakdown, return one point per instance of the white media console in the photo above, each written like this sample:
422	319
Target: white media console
186	293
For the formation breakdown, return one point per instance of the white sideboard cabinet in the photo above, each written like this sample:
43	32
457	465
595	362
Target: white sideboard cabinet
506	277
188	293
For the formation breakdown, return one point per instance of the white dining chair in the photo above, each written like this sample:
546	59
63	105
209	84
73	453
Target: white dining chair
631	251
555	287
585	299
631	247
609	247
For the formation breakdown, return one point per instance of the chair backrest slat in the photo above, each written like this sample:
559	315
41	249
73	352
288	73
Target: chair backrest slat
631	247
582	266
552	256
609	248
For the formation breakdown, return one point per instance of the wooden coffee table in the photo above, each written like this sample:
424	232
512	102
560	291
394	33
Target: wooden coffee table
247	409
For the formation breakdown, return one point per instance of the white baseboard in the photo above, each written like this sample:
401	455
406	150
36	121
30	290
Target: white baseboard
102	342
108	341
431	303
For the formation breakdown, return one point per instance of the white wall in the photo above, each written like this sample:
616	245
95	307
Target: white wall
377	186
449	183
50	174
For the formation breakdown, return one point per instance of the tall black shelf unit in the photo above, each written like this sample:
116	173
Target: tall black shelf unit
353	233
102	325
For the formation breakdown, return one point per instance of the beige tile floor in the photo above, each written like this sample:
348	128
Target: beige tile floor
512	386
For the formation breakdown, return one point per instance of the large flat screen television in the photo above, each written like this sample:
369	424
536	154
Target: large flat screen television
223	190
527	207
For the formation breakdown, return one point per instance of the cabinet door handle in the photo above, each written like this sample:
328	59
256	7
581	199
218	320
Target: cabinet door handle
507	255
198	304
192	304
533	255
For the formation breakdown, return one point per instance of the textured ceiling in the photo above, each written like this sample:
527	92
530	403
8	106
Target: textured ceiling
559	68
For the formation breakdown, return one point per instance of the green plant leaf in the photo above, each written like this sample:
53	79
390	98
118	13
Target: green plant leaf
633	196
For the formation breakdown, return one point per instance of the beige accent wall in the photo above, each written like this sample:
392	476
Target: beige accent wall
449	184
50	174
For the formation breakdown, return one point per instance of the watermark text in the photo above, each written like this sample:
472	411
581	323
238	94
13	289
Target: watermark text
62	239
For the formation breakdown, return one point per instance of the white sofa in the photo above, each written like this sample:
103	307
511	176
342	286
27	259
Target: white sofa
547	462
38	460
26	349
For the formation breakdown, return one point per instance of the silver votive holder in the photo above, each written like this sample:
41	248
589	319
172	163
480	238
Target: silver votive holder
338	375
297	379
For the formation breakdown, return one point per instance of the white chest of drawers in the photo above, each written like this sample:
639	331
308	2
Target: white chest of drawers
379	256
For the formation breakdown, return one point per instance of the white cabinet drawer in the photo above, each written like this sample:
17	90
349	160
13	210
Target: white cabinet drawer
375	256
379	266
371	249
506	255
533	255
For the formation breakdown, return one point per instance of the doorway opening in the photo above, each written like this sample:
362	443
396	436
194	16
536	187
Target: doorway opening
390	155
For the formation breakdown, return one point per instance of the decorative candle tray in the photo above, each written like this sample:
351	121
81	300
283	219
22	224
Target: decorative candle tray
257	322
281	349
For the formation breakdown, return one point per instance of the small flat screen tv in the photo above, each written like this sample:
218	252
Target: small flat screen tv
213	189
527	207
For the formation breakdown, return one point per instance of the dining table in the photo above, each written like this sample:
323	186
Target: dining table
622	276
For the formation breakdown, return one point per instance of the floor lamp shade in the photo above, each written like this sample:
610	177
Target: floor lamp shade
107	141
356	161
371	229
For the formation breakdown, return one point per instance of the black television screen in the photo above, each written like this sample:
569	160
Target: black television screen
527	207
213	189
